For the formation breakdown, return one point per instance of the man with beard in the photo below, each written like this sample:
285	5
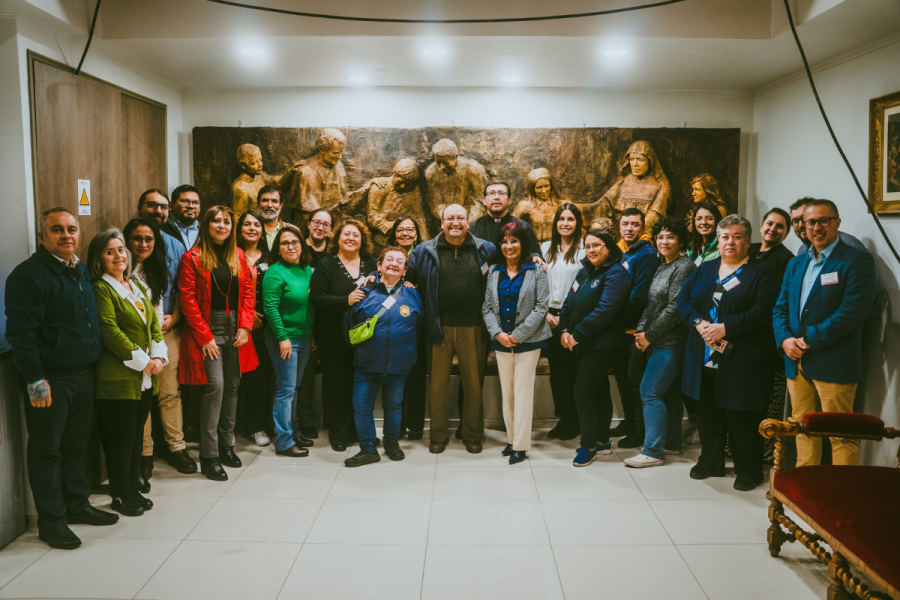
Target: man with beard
269	203
453	179
797	210
496	200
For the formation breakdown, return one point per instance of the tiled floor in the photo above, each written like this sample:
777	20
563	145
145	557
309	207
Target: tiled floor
449	526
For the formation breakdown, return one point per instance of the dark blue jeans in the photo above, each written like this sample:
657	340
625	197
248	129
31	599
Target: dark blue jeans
288	378
365	388
661	396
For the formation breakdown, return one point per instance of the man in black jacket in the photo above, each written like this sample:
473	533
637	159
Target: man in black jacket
496	200
54	332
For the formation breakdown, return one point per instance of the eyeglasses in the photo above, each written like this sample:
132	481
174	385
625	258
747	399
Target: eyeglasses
595	247
408	230
138	240
823	222
156	206
705	219
456	219
189	202
796	220
389	260
320	224
294	244
499	194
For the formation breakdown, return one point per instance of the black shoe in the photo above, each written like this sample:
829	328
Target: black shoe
635	439
146	503
303	442
508	451
744	484
339	445
362	458
699	471
414	436
128	506
92	516
191	433
228	458
182	461
310	433
517	457
622	429
554	433
147	467
213	469
459	433
143	484
392	450
570	432
61	538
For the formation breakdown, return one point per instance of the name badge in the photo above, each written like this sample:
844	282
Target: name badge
625	264
360	281
829	278
484	269
389	302
263	267
575	287
731	284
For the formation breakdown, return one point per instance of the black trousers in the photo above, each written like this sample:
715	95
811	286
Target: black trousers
254	393
592	395
628	369
337	392
742	427
562	379
413	418
120	424
57	435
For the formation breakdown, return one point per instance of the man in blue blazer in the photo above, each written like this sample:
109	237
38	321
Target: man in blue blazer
825	297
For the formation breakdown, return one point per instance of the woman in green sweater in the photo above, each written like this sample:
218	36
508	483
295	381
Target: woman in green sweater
125	378
290	317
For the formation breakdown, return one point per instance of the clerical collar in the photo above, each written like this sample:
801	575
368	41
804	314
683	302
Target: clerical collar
498	220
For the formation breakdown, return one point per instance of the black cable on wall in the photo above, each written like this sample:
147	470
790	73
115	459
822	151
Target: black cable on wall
90	38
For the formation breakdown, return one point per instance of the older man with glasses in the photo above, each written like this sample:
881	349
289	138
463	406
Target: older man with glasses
825	297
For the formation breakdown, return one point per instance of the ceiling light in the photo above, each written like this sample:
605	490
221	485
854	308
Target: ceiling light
358	79
434	51
511	79
253	51
615	53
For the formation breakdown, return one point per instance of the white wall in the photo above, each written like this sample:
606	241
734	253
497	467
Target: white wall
796	158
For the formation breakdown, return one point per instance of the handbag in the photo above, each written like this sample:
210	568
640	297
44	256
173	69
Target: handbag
363	331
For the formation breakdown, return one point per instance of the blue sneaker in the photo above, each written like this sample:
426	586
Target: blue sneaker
584	457
604	448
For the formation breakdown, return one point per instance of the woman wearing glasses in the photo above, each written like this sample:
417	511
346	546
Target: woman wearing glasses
319	227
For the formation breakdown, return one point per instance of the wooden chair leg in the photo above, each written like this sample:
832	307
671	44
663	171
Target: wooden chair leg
837	566
775	534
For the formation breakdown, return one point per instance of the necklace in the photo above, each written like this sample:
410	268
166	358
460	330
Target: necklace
225	293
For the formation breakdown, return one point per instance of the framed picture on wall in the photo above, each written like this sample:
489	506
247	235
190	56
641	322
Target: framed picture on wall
884	153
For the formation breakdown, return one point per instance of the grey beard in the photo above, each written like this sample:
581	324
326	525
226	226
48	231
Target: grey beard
266	219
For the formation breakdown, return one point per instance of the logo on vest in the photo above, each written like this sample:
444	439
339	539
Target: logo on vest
404	310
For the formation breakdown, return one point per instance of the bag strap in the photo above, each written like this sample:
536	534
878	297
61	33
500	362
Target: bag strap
394	293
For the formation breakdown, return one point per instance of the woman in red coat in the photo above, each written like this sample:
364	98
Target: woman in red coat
218	302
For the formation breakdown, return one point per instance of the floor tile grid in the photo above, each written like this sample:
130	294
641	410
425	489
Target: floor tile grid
427	535
547	527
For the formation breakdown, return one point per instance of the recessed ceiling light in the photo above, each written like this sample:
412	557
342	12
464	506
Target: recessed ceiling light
434	51
615	53
358	79
253	51
511	79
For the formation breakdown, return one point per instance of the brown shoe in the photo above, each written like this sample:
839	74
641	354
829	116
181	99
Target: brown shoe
182	461
147	467
293	452
437	447
473	447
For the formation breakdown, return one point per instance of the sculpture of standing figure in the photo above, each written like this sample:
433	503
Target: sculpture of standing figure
453	179
245	188
704	188
540	206
641	184
321	181
389	198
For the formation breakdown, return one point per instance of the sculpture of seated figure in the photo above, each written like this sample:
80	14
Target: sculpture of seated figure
245	188
453	179
704	188
320	181
390	198
641	184
540	206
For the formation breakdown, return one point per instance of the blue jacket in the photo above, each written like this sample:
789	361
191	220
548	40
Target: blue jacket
641	262
594	310
423	273
747	374
392	348
833	317
174	251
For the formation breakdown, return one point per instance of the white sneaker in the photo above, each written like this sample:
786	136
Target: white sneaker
688	427
261	439
694	439
642	460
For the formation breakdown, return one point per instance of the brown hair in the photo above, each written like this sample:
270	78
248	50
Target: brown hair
208	259
275	252
365	247
387	249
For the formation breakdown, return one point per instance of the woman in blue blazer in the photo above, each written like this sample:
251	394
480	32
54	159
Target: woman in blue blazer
731	299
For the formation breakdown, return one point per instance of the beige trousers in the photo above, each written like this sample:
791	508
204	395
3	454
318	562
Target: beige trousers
517	371
467	345
809	396
169	399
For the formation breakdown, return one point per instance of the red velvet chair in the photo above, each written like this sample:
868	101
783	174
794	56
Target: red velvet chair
854	509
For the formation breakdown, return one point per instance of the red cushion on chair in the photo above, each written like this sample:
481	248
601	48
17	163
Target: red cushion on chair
856	505
848	424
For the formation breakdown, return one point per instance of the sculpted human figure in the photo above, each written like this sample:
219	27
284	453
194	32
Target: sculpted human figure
641	184
245	188
389	198
540	206
453	179
321	181
704	188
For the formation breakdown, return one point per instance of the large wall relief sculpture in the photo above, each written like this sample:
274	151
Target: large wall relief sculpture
378	174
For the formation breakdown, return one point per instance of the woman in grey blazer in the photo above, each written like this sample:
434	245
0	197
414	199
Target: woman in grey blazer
515	310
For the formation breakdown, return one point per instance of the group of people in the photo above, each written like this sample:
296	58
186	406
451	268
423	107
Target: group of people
205	309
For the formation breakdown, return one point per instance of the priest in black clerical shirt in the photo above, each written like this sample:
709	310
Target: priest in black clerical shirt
496	200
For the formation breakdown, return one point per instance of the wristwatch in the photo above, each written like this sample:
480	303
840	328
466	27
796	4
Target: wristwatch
698	320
